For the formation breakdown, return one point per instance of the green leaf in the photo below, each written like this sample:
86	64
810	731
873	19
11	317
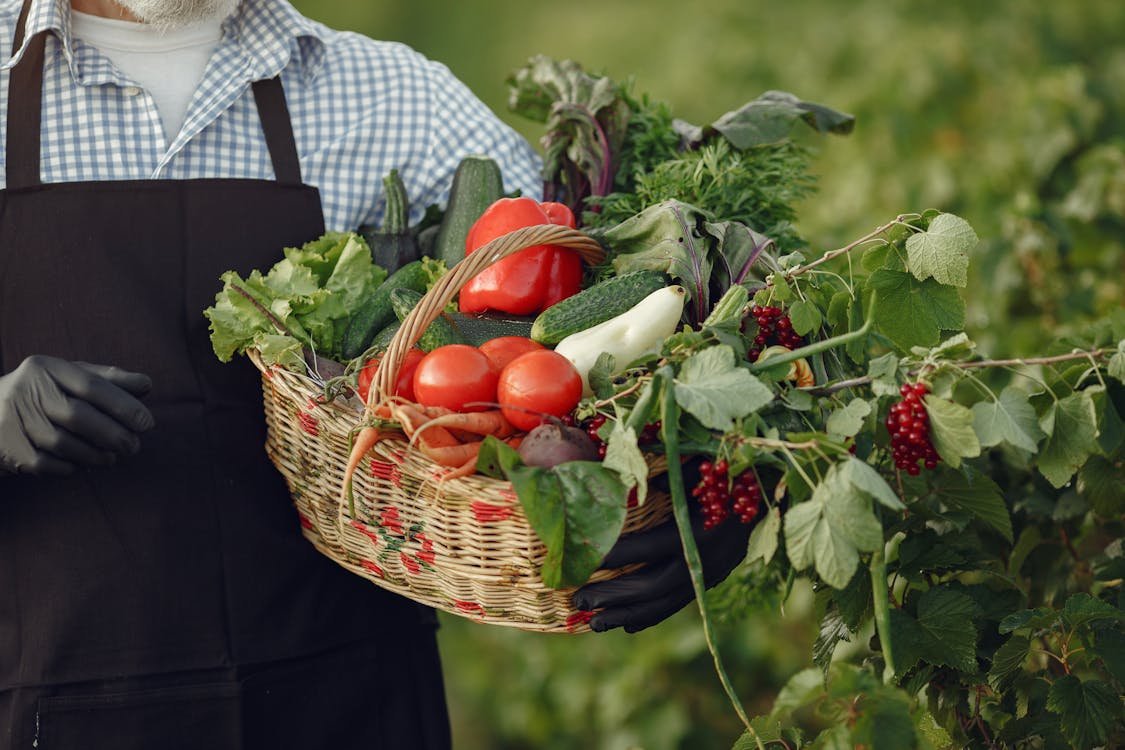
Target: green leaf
805	317
1100	482
884	722
1109	646
1082	609
1009	419
577	509
830	529
943	633
847	421
865	479
769	119
951	430
1087	710
912	312
764	537
801	689
601	375
883	372
624	456
1116	366
714	390
854	600
1007	662
833	629
1071	427
942	251
977	495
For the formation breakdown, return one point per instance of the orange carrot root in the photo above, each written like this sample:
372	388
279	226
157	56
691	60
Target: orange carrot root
364	441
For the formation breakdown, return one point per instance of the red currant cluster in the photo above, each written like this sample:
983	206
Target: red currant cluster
715	491
774	327
909	426
649	435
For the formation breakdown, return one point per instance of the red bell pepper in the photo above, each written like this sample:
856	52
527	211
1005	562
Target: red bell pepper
531	280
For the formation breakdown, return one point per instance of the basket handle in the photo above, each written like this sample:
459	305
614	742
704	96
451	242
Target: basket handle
426	311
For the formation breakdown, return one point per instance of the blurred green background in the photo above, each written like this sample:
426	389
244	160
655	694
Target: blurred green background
1008	113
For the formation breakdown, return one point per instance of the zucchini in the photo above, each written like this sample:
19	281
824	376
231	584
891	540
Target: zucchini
377	311
480	327
393	245
477	184
593	305
438	333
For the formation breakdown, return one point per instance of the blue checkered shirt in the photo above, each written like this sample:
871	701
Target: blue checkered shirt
359	108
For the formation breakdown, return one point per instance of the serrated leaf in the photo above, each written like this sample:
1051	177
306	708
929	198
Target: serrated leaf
1087	710
847	420
1081	609
1040	617
1100	481
865	479
624	456
884	722
1009	419
1116	366
942	251
833	629
854	600
1109	646
976	494
764	538
912	312
714	390
1007	662
943	633
805	317
801	689
798	400
951	430
1071	427
883	372
830	529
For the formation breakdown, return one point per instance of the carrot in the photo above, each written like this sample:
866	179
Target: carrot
462	459
364	442
477	423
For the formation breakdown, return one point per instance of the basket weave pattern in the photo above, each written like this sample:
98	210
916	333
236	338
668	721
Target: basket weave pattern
461	545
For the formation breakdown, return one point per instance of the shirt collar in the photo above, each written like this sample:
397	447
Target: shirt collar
266	30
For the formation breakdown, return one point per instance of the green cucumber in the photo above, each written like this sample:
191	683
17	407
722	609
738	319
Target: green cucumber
477	184
478	328
438	333
377	311
596	304
382	340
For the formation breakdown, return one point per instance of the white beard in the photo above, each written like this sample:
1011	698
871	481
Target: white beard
174	14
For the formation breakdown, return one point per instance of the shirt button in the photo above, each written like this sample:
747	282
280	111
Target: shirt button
132	91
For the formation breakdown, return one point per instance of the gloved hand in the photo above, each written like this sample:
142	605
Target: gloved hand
662	587
56	415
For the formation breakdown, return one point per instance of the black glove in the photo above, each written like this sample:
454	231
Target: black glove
662	587
56	415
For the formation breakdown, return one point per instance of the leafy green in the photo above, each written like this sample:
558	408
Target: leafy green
912	312
305	299
577	509
951	429
1010	418
976	494
942	633
715	391
942	251
1087	709
1071	427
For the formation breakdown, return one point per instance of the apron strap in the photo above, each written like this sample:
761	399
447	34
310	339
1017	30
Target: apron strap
25	97
25	101
278	128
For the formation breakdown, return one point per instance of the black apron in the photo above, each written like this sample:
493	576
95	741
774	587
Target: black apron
170	600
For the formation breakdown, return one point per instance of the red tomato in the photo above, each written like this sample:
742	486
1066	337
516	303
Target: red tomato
538	384
404	383
455	375
503	350
558	213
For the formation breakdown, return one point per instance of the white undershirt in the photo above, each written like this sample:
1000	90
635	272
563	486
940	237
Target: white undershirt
168	64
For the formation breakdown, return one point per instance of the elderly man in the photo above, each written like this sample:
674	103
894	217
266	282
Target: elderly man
155	591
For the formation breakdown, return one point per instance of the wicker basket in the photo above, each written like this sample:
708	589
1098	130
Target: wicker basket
461	545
